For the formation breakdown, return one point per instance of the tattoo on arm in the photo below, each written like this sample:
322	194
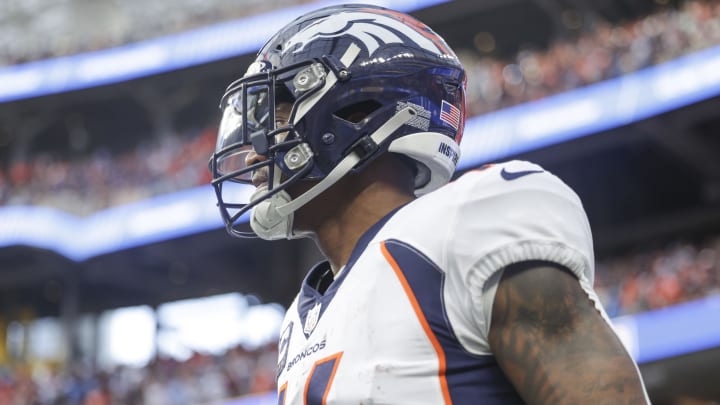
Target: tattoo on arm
554	345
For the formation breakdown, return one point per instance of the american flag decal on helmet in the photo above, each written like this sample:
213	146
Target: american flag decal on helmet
450	115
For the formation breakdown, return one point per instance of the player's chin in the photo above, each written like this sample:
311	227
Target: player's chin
259	179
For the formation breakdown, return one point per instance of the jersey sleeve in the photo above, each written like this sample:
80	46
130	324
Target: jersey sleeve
505	214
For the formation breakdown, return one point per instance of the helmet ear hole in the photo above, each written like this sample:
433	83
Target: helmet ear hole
357	112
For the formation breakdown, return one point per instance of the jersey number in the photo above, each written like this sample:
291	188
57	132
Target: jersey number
318	383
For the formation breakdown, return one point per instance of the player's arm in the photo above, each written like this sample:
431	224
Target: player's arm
553	344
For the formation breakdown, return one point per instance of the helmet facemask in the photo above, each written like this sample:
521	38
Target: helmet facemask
333	66
249	125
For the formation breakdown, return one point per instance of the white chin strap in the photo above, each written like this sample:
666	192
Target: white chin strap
272	218
265	220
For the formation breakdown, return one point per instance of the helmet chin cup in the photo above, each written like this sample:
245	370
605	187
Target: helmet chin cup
266	221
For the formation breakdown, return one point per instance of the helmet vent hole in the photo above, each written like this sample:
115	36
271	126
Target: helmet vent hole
452	87
358	111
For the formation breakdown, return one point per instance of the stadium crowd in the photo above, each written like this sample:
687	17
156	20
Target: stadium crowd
651	280
601	52
627	284
173	162
202	379
101	180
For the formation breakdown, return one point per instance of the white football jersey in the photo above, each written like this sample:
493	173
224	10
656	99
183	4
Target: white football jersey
407	319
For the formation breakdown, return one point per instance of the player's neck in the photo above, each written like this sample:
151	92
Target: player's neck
357	203
338	235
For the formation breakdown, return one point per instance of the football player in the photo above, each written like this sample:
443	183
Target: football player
474	292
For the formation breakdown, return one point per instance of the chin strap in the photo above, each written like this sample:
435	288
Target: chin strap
347	164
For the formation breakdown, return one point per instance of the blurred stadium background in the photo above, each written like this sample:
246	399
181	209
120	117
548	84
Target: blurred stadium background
118	284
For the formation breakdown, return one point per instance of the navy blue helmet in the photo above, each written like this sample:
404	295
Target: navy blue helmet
361	81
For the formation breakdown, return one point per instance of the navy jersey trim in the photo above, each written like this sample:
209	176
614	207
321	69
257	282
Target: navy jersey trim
320	380
468	378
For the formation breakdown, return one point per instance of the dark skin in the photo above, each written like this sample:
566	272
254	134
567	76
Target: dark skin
337	218
554	345
550	341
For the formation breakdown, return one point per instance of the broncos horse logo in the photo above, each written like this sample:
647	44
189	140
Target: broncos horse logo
373	28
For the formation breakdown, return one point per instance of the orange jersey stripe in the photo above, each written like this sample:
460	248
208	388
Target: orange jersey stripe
423	321
282	391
